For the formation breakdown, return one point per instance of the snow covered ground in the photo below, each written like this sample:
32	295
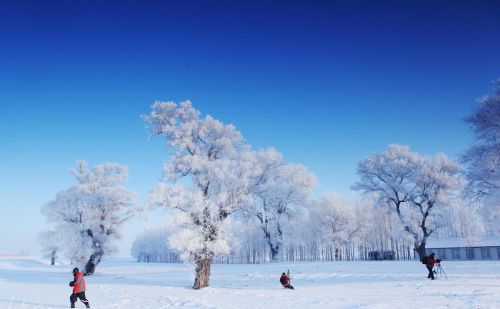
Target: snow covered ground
27	282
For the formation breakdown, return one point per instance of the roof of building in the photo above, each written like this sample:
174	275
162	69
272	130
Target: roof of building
461	242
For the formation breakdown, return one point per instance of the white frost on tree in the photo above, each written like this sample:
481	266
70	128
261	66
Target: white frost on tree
483	157
207	179
50	243
418	189
151	246
281	192
336	220
464	220
379	228
88	217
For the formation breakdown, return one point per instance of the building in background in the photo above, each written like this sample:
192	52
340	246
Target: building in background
460	249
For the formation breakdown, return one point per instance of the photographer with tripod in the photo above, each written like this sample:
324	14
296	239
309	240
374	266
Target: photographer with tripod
430	262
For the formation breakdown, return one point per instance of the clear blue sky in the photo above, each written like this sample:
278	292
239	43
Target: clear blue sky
326	83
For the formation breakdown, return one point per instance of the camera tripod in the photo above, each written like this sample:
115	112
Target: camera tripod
439	271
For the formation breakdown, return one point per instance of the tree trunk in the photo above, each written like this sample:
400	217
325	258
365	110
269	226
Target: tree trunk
274	250
92	263
421	250
53	257
202	273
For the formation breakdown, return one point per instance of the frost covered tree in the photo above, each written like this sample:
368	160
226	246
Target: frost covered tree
382	229
151	246
336	220
333	218
281	191
50	243
419	190
207	179
88	216
250	247
482	159
464	220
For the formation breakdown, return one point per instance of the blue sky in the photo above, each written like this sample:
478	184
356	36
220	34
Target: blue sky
326	83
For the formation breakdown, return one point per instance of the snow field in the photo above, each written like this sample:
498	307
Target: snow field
27	282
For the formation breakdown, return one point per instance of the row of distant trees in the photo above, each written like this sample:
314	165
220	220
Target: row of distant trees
336	232
233	203
327	229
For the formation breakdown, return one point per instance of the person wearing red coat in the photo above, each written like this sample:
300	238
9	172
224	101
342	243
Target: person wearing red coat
285	281
79	287
431	261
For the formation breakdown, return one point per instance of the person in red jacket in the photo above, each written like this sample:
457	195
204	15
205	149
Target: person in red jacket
79	287
431	261
285	281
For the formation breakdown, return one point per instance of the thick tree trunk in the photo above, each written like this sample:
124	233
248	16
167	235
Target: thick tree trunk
274	250
92	263
421	250
202	273
274	246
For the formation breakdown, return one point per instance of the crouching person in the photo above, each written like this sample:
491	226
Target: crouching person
285	281
78	285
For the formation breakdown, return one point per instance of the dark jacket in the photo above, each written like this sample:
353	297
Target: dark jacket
284	280
431	261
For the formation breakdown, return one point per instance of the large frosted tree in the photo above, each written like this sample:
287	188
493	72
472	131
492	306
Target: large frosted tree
334	219
208	178
418	189
88	217
482	159
281	191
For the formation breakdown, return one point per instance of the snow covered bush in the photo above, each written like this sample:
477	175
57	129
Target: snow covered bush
88	216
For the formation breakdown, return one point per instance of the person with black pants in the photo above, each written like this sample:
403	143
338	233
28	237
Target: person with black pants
79	287
430	265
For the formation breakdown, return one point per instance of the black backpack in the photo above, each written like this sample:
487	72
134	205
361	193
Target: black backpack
424	260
